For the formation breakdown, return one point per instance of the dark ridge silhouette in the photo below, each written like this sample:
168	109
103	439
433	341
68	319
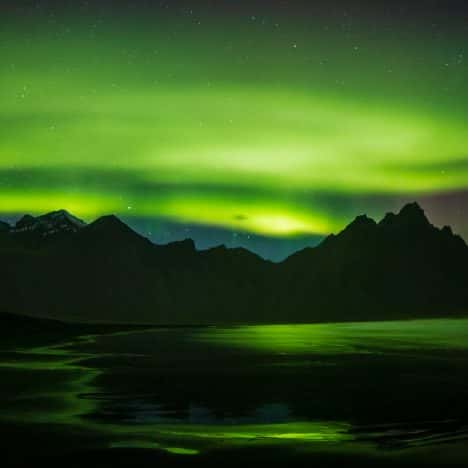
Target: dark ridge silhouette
402	267
49	223
20	330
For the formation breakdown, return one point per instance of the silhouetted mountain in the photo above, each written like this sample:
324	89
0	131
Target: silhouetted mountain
56	266
51	223
400	267
4	227
35	231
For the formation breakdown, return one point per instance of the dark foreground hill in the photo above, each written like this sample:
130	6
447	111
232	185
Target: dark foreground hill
19	331
402	267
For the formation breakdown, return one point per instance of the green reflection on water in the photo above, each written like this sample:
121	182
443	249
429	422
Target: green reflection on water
62	382
66	399
196	438
145	444
298	431
343	338
182	451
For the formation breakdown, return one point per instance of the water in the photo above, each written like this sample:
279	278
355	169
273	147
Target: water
383	387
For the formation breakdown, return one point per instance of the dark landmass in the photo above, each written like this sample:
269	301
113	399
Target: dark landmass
57	266
20	331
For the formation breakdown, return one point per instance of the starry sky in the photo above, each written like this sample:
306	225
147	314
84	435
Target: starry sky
266	125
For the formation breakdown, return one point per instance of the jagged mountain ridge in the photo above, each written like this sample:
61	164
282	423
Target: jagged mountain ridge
34	231
400	267
49	223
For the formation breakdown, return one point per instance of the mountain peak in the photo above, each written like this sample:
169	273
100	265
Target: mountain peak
111	227
413	210
361	225
62	216
48	224
58	214
109	223
109	234
410	216
362	220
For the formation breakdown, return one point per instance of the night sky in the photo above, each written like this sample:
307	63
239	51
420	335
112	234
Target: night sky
261	124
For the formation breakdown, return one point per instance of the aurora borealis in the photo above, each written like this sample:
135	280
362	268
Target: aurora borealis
253	123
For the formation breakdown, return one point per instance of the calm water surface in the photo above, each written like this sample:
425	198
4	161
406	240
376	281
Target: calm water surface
386	387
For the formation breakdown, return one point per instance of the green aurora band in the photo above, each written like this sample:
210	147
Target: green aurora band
249	124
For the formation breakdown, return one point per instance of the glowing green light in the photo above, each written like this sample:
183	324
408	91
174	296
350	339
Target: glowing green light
63	399
65	405
343	338
146	444
182	451
238	151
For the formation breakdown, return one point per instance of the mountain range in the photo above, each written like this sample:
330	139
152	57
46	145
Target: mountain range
57	266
